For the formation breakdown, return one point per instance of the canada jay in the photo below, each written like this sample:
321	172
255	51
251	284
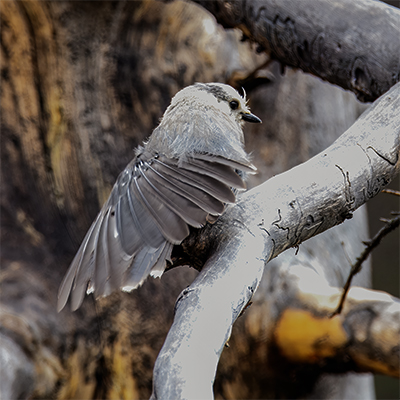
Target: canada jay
183	175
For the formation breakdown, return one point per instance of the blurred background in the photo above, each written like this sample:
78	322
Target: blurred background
386	269
386	255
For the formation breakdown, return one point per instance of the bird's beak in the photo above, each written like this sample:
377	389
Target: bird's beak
249	117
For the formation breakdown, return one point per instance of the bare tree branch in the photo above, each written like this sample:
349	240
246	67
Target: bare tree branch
354	57
279	214
370	245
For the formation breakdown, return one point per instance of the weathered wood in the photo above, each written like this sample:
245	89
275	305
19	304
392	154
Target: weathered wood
296	287
323	39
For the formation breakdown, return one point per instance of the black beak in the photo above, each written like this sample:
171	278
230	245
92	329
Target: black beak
249	117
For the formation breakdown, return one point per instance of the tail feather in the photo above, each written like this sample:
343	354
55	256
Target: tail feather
141	267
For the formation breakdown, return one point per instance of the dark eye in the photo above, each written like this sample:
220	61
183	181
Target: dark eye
234	104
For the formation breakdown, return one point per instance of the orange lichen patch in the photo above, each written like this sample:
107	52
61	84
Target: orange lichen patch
302	337
123	384
79	379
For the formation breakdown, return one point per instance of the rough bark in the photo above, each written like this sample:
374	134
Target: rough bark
323	40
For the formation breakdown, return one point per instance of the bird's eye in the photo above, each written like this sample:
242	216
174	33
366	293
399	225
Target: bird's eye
234	104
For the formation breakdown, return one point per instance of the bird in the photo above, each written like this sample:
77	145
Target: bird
184	175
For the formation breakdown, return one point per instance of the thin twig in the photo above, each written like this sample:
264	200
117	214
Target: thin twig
391	191
391	225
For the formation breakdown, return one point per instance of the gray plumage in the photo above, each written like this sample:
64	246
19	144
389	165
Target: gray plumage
182	176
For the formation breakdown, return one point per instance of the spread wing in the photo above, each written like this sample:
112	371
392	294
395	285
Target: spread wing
150	208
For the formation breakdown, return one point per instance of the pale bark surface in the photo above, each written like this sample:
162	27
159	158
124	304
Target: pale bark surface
349	43
83	83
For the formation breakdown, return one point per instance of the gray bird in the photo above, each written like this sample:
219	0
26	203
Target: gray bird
183	176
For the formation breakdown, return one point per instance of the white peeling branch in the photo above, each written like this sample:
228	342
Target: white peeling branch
354	56
279	214
204	315
324	191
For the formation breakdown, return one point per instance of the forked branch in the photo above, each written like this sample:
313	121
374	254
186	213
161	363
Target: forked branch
279	214
391	225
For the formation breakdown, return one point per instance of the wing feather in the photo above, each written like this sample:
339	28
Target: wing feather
199	197
148	230
221	172
82	257
210	185
187	210
127	228
150	208
248	167
159	267
141	267
163	211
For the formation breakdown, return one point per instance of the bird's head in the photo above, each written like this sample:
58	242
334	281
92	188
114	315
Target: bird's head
204	118
221	97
